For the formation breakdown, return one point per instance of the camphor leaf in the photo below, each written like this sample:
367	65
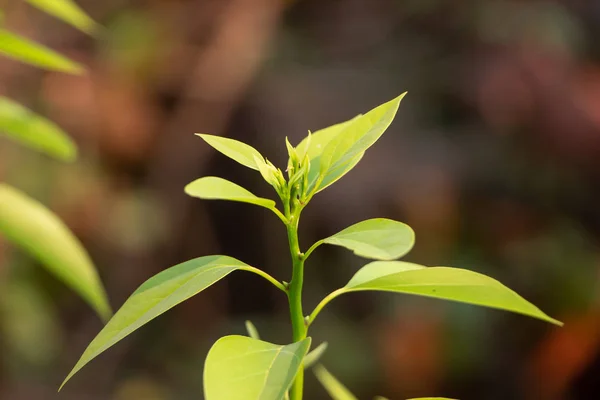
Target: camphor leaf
34	228
454	284
68	11
242	368
315	355
157	295
357	137
236	150
29	52
213	188
378	238
335	388
34	131
252	331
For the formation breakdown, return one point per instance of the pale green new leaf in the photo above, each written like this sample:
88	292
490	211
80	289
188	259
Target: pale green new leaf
31	226
445	283
157	295
34	131
242	368
236	150
377	238
252	331
315	355
29	52
213	188
335	388
67	11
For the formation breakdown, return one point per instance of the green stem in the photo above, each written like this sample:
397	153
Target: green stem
322	304
299	327
268	277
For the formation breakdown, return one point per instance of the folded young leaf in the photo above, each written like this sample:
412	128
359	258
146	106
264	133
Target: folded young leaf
29	52
335	388
236	150
315	355
344	148
446	283
31	226
377	238
213	188
242	368
34	131
157	295
67	11
252	331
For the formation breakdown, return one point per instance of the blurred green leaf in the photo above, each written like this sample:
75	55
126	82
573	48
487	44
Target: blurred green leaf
157	295
377	238
335	388
236	150
213	188
30	225
454	284
29	52
252	331
242	368
34	131
67	11
315	355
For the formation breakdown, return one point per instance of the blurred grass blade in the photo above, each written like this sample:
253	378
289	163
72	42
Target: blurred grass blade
67	11
335	388
242	368
252	331
38	231
29	52
34	131
315	355
157	295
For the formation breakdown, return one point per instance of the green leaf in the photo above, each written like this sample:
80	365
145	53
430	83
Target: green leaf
315	355
453	284
67	11
335	388
157	295
378	238
252	331
34	131
29	52
236	150
349	144
213	188
34	228
242	368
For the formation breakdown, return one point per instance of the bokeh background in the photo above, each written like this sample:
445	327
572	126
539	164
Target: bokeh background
493	159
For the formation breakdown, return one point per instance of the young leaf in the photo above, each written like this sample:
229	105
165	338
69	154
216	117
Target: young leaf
236	150
378	238
315	355
157	295
34	228
213	188
453	284
335	388
24	50
242	368
34	131
344	149
252	331
68	11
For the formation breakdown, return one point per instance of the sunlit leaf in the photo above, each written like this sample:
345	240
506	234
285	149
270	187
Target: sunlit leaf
242	368
454	284
213	188
156	296
252	331
34	228
378	238
29	52
34	131
315	355
236	150
335	388
68	11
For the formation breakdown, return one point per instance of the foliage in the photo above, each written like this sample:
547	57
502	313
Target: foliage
263	370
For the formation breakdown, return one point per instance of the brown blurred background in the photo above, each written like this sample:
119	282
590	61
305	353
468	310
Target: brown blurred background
494	160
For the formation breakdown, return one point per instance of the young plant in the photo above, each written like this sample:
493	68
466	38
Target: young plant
247	368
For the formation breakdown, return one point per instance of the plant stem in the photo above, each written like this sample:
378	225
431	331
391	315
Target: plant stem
299	327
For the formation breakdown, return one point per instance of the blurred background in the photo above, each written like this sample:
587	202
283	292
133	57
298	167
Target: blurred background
493	159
